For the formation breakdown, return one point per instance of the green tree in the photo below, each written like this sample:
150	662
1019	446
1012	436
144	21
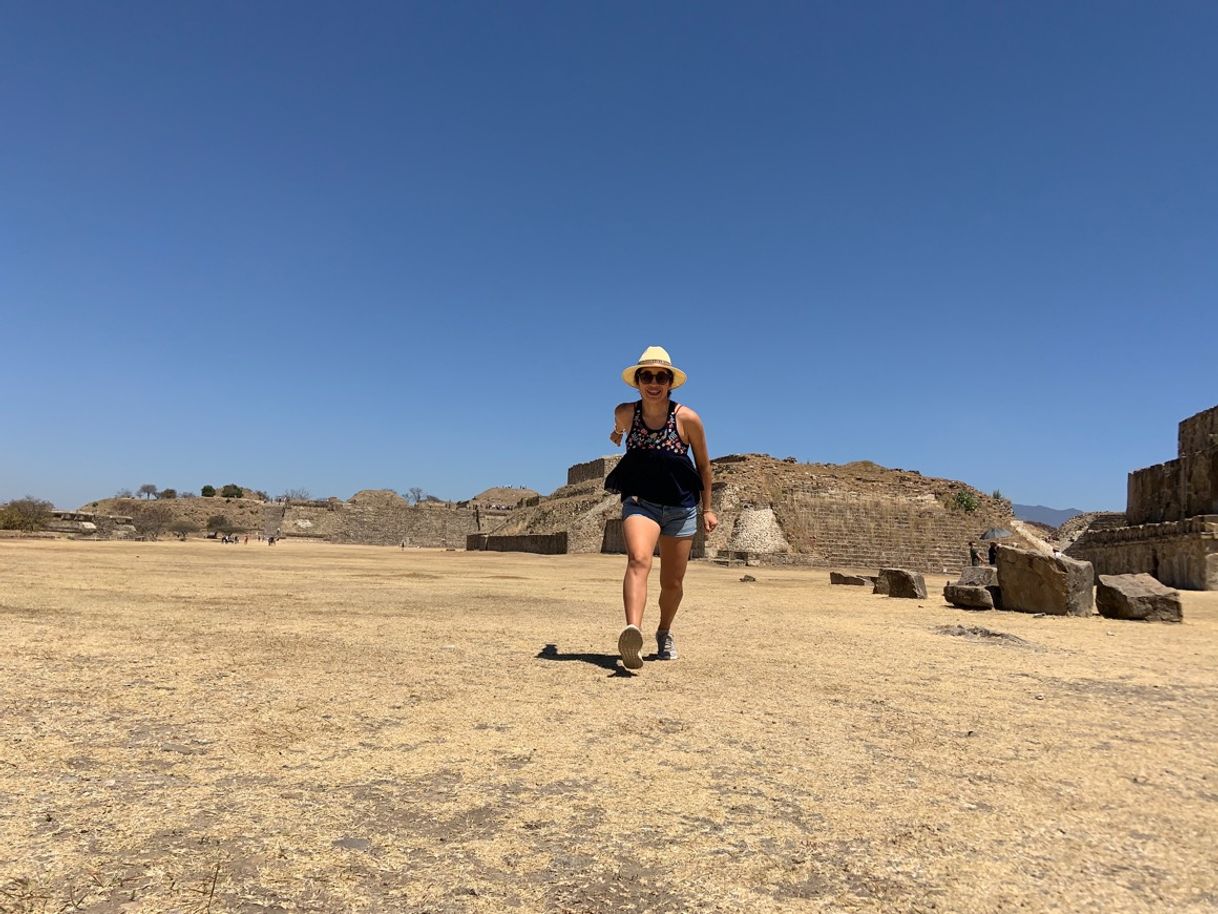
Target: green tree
208	491
27	514
167	493
232	490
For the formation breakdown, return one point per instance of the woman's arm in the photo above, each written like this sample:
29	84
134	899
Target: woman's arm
623	414
695	433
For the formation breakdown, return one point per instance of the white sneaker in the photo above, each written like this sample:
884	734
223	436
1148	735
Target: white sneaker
630	646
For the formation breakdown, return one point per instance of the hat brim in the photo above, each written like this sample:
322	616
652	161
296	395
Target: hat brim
678	376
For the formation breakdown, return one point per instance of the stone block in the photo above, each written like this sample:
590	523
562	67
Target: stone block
1035	583
979	575
836	577
968	596
909	585
1136	596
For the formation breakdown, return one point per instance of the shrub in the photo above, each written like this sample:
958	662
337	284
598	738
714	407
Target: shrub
167	493
151	520
27	514
232	491
182	528
208	491
219	523
967	502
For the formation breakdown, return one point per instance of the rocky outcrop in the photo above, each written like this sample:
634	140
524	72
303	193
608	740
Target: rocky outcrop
902	583
1136	596
1035	583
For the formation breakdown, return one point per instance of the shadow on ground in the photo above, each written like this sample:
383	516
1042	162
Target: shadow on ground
604	661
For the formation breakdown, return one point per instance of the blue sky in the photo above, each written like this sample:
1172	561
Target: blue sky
345	246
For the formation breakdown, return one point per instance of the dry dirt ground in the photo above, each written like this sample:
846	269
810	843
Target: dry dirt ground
196	727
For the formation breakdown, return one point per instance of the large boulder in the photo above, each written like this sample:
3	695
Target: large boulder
836	577
1036	583
968	596
1136	596
979	575
898	582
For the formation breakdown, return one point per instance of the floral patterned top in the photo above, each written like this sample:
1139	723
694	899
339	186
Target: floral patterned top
657	466
665	439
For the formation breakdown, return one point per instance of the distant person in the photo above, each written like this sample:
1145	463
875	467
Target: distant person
974	554
661	489
994	552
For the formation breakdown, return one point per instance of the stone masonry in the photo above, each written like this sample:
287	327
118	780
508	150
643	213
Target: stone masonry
1172	516
592	469
1184	487
781	512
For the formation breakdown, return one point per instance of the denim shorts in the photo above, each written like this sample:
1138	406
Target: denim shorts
674	520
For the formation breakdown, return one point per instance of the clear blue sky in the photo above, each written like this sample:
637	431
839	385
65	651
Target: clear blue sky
344	246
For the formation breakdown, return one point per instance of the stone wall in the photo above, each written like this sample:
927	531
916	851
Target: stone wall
1184	487
90	525
874	532
1153	494
1180	553
1198	433
383	525
541	543
594	469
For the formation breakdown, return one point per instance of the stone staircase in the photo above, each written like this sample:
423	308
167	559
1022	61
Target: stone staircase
272	519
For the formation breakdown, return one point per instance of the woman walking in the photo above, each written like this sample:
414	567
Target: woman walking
661	491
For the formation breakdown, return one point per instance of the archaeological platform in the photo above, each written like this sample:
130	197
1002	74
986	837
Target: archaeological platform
1171	515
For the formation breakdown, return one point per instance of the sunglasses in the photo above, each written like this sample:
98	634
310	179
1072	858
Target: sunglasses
660	377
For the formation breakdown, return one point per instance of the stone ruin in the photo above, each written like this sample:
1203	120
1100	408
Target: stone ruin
1171	516
374	517
780	512
91	525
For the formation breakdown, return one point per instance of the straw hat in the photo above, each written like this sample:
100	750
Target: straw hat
654	357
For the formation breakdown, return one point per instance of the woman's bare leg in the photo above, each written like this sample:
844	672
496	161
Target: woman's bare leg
641	536
674	559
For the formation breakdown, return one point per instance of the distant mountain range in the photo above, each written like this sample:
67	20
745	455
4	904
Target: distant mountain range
1054	517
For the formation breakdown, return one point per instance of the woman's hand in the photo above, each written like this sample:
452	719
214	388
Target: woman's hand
616	436
710	520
